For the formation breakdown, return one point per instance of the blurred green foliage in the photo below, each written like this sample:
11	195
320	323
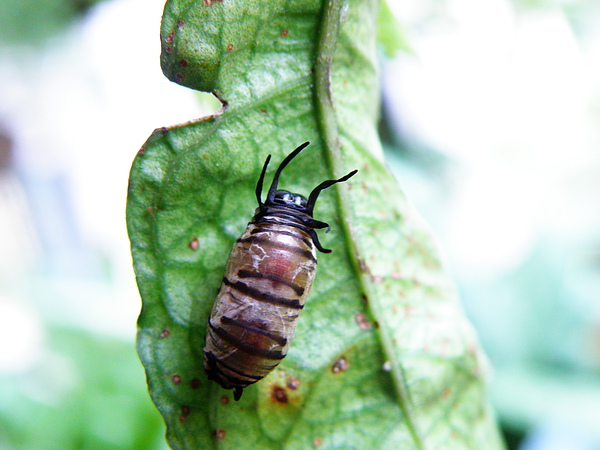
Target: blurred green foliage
390	34
32	22
88	391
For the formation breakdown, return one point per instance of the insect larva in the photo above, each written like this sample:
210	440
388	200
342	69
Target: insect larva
269	273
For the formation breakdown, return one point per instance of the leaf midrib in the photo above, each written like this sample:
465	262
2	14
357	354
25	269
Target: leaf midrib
328	38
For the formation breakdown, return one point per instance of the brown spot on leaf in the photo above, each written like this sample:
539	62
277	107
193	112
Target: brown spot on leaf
363	266
168	49
183	62
362	321
317	442
284	32
185	412
224	400
341	365
165	333
278	394
229	47
194	244
176	379
219	433
170	37
180	23
178	77
142	150
293	383
195	383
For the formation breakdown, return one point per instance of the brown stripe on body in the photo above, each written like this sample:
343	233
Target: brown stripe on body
287	317
236	371
299	290
263	296
243	346
281	341
225	375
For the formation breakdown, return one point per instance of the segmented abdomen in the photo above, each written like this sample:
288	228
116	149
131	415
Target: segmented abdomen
269	273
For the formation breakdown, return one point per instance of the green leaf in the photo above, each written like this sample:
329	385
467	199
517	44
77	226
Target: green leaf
389	32
383	356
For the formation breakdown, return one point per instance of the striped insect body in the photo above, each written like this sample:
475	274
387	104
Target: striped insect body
268	276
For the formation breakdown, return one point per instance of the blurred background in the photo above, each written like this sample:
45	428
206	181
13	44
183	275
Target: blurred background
489	119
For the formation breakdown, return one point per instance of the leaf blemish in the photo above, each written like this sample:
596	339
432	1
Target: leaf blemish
170	37
165	333
278	394
178	77
293	383
195	383
183	62
185	412
229	47
284	32
194	244
219	433
176	379
362	321
180	23
224	400
363	266
341	365
317	442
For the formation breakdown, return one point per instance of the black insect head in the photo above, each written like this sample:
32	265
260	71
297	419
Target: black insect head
293	207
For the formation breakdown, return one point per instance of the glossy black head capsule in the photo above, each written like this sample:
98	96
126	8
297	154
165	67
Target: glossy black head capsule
291	209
